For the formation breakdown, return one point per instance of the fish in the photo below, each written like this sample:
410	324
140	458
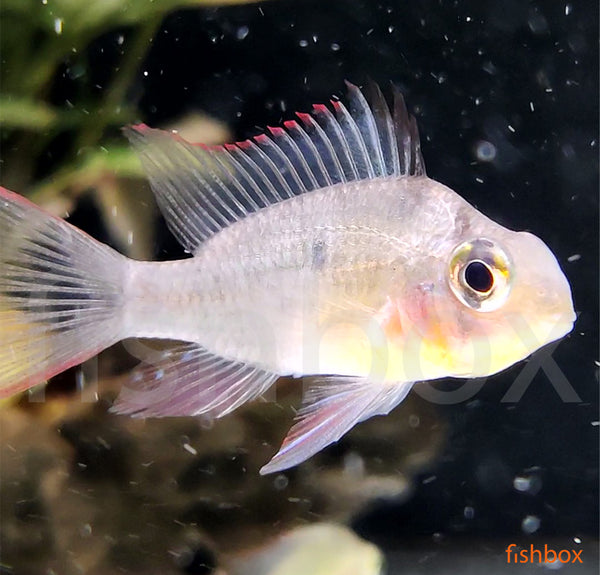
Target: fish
320	249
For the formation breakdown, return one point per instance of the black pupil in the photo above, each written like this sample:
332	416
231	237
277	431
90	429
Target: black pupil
479	277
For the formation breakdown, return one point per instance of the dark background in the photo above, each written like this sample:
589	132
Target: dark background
469	70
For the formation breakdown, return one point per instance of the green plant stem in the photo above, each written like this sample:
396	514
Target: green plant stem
92	130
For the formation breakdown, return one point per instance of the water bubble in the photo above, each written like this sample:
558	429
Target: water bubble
469	512
530	524
335	47
485	151
303	43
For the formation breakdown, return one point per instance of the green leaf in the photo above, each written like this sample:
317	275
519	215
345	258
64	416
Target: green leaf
26	114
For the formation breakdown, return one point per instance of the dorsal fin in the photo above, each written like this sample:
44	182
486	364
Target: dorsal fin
200	189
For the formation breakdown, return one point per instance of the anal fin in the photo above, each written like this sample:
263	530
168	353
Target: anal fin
332	406
188	380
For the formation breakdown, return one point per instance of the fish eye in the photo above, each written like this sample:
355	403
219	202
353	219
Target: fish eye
480	274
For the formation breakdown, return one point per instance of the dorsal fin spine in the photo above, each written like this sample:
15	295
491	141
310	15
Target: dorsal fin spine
253	173
331	164
286	167
216	157
283	138
355	141
363	118
302	138
335	133
264	162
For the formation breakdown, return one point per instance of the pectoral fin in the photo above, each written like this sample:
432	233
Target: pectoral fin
333	406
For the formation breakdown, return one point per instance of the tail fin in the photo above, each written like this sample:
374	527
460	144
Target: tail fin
60	295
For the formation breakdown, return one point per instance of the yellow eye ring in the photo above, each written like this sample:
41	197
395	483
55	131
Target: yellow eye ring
480	274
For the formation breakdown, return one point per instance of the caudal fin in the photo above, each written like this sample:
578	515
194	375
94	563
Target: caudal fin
60	295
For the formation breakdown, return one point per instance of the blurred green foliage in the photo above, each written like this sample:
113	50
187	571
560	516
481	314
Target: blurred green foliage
37	37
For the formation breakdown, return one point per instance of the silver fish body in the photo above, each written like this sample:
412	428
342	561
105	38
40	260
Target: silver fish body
321	249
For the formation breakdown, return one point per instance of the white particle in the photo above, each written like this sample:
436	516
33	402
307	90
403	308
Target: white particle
44	2
414	421
521	483
390	29
531	107
315	38
597	363
354	465
190	449
429	479
479	180
242	32
370	31
577	540
531	484
468	18
120	39
568	9
80	379
511	128
574	258
530	524
280	482
130	237
58	25
595	423
146	73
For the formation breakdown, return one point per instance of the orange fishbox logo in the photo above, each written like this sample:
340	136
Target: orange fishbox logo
547	555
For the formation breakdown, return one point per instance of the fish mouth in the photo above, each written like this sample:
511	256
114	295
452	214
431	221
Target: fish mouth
548	330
